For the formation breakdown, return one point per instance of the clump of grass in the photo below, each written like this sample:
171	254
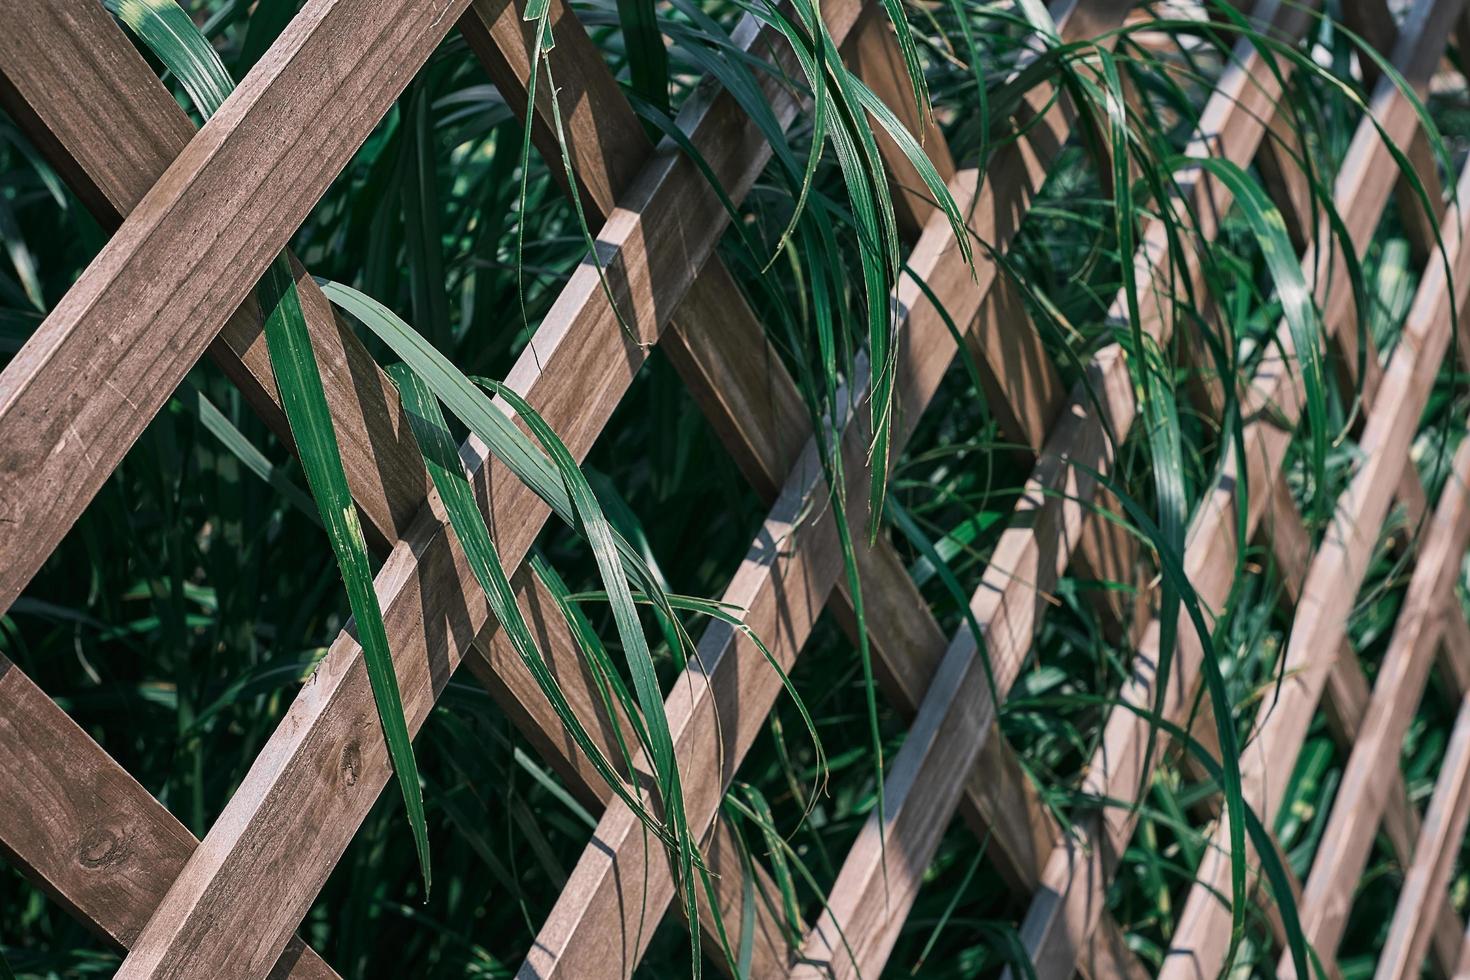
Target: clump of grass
445	220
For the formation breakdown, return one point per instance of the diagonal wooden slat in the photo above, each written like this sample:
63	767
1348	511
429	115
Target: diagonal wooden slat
590	918
112	169
1338	568
1360	800
1052	924
76	396
1347	705
1434	858
85	831
579	363
879	878
1435	854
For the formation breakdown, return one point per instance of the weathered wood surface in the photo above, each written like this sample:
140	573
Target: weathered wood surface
1364	793
1435	856
85	831
880	877
217	915
112	168
1073	889
579	363
784	589
79	392
1340	564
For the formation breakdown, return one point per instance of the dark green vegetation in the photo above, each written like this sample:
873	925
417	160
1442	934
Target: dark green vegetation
186	606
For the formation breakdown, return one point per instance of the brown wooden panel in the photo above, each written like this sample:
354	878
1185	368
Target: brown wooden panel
1436	855
89	100
1337	570
784	589
1053	926
881	875
84	830
79	392
388	477
575	370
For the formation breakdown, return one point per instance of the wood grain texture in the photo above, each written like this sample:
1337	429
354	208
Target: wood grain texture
113	168
91	377
1348	706
327	758
1337	570
1422	896
783	581
87	833
67	67
1073	890
881	874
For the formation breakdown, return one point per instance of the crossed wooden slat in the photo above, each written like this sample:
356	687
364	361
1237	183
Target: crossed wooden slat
1077	877
121	200
262	864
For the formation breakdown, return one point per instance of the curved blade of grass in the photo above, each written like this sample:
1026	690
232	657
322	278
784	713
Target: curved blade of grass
441	457
648	59
1260	836
732	617
554	475
745	801
599	535
1296	300
1171	565
610	687
1161	417
954	902
419	197
173	37
910	529
305	402
217	424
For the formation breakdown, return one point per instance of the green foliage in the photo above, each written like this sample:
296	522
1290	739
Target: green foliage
181	615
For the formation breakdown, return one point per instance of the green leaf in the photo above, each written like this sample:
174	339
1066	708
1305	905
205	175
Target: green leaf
648	59
300	384
178	43
175	41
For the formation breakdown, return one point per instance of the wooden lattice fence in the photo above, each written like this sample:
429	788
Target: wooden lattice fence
197	219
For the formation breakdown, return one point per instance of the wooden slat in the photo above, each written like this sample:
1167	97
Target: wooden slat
880	877
731	369
1375	22
85	831
1055	925
84	95
61	109
1348	701
781	587
1364	791
575	371
782	590
1436	854
79	392
62	101
1339	566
